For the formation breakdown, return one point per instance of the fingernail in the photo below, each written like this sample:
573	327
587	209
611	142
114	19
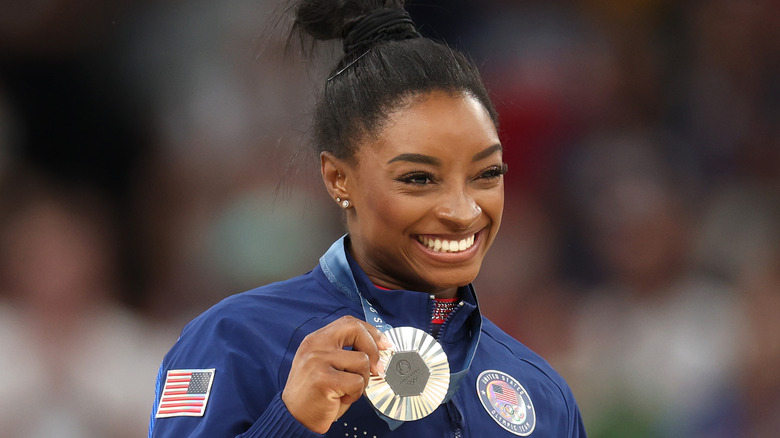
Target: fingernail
385	343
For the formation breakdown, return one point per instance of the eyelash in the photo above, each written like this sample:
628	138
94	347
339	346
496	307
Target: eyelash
495	171
490	173
410	178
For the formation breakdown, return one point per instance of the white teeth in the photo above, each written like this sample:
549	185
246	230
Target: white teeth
438	245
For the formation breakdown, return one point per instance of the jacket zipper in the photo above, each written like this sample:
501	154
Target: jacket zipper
455	416
446	320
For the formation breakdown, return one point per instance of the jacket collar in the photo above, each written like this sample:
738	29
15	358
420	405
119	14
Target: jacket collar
411	308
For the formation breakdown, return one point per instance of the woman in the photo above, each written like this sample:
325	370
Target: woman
409	149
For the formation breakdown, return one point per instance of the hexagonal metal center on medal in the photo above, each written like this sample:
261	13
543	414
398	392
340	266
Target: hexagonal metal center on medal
416	375
407	374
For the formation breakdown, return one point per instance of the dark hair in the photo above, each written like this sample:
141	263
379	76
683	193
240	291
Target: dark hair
380	71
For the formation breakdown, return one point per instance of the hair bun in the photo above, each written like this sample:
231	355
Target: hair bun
360	23
380	25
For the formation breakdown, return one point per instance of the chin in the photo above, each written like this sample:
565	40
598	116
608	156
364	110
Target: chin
452	280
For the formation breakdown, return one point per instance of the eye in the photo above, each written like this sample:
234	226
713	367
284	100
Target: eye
494	172
416	178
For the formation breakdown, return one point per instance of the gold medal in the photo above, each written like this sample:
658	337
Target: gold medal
416	378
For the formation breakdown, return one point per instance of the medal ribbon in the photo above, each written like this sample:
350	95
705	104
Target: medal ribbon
336	268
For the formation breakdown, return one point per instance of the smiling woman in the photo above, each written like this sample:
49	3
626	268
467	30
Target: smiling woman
410	191
384	337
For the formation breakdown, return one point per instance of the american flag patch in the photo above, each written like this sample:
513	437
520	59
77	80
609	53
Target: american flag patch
505	393
185	393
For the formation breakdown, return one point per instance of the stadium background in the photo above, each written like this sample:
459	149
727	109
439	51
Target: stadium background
153	160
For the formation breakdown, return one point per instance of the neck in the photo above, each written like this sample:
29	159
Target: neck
439	294
447	293
384	280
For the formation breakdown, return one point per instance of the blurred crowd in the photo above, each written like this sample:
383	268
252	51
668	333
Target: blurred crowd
153	160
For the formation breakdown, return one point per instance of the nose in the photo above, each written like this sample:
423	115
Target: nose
459	210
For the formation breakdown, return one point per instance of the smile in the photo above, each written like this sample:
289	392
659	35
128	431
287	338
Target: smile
447	246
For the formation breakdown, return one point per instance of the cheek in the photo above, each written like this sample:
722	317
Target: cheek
492	204
387	215
378	207
381	213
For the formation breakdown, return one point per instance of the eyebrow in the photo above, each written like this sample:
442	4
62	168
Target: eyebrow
427	159
487	152
417	158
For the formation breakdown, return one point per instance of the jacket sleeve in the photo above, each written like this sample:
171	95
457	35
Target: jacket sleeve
577	427
244	399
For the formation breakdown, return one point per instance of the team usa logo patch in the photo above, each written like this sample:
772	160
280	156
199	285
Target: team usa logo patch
185	393
505	399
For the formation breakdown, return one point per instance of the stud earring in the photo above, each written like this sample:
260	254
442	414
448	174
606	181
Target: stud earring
338	200
345	203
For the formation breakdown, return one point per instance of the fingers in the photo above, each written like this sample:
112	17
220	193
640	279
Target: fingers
318	385
350	375
369	340
344	372
359	335
339	374
330	370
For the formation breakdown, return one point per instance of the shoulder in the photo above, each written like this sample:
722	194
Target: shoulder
506	350
504	361
496	338
286	301
265	317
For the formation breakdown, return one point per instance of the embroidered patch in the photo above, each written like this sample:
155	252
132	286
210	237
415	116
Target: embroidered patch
185	393
505	399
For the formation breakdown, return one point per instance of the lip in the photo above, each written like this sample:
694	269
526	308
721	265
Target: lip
452	257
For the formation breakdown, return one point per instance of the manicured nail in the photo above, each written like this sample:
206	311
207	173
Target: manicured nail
385	343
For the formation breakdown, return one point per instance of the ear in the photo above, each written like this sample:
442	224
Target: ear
334	175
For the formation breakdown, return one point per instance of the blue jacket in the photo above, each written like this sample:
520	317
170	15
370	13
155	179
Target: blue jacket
243	347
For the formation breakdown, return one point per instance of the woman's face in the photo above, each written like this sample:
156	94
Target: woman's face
426	195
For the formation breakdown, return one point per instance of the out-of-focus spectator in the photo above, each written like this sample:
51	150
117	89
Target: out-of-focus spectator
727	101
54	27
221	208
520	285
657	343
76	363
7	133
745	249
760	382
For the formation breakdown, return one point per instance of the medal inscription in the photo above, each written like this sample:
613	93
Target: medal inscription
407	373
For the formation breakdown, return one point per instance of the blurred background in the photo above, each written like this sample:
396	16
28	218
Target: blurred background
153	161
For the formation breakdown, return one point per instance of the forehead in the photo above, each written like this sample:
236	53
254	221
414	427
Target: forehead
436	123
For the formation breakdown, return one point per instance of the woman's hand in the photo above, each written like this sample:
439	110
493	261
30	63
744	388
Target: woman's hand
325	379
